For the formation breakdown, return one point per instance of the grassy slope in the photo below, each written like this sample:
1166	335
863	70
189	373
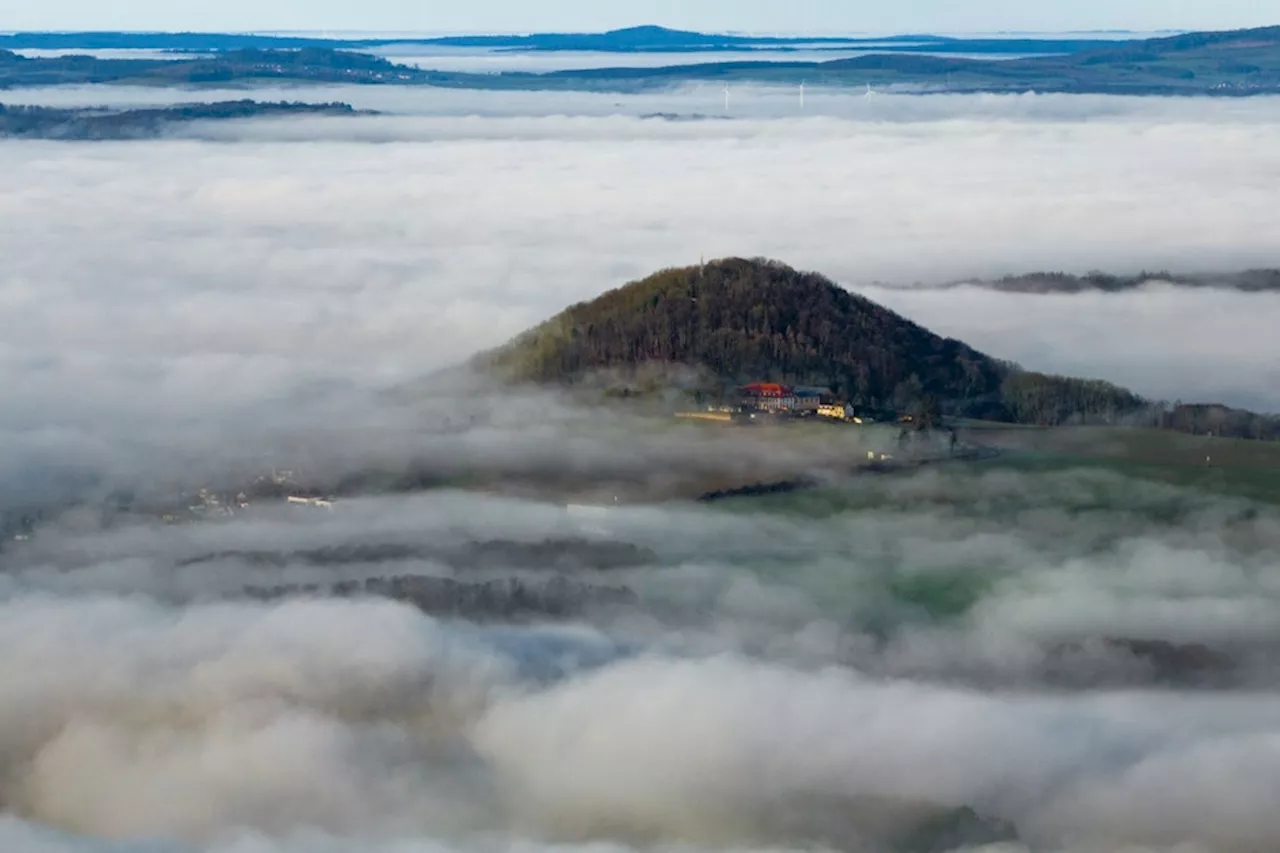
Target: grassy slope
1152	446
1231	466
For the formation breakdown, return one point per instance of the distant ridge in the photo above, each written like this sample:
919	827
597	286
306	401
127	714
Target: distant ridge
625	39
1230	63
1250	281
86	124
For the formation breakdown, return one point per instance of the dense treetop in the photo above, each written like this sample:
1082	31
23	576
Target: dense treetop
752	320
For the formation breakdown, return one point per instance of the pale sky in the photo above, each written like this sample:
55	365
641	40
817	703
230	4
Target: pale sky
811	16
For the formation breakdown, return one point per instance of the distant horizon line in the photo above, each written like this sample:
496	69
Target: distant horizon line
341	33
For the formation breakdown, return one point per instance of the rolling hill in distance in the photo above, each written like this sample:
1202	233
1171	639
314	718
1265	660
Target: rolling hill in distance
27	122
1237	62
625	40
734	321
1249	281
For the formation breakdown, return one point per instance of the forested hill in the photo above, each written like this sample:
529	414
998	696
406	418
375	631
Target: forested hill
746	320
742	320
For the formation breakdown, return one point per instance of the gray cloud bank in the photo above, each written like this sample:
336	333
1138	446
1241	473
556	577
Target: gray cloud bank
806	676
802	680
365	721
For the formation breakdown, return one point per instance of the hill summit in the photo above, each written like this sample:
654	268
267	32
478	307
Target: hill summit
746	320
735	321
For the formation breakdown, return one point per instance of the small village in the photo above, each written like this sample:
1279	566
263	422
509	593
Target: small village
918	438
772	400
279	487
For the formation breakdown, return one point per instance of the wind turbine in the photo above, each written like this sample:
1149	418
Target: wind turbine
869	92
801	95
726	97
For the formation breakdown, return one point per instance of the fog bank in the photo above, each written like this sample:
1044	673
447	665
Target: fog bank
189	268
999	657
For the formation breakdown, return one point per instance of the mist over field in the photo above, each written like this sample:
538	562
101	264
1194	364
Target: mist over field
977	658
783	669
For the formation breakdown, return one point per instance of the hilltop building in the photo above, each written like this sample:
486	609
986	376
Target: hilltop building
759	399
769	397
776	398
839	412
810	399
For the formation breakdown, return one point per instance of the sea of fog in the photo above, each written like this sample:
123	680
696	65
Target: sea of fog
104	53
986	658
382	247
797	676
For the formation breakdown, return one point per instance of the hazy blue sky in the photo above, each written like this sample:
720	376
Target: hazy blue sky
750	15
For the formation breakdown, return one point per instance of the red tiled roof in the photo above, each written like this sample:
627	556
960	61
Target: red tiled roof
767	389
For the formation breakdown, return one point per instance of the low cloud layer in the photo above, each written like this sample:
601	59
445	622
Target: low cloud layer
1053	661
192	273
840	672
1170	343
126	720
